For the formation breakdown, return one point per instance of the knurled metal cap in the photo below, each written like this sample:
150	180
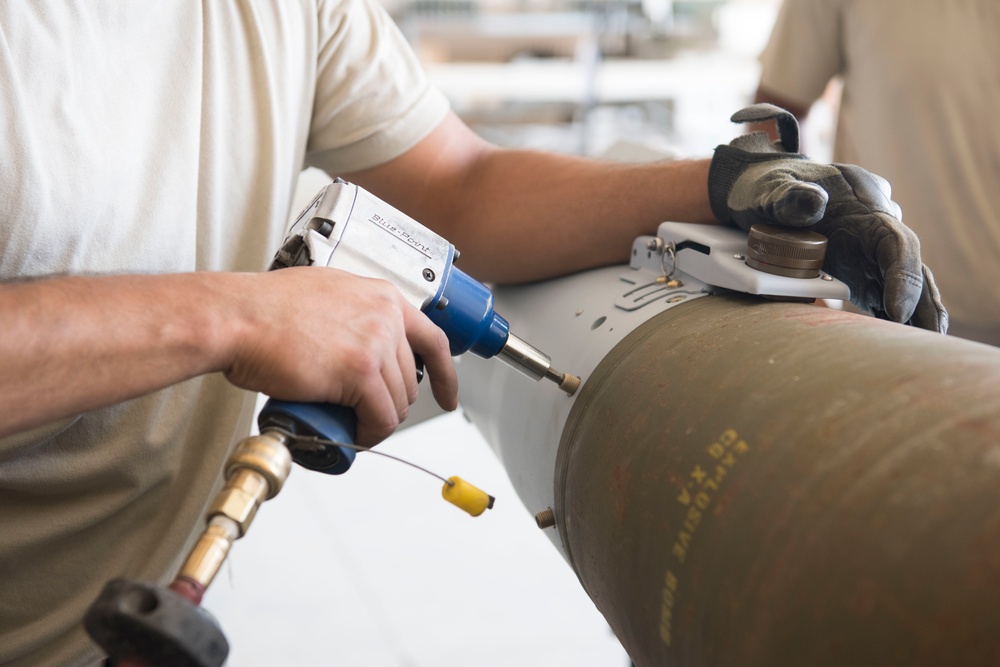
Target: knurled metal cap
794	253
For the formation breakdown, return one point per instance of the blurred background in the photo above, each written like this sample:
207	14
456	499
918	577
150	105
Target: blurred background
581	76
374	568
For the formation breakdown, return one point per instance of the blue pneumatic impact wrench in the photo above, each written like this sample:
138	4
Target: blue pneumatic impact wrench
347	228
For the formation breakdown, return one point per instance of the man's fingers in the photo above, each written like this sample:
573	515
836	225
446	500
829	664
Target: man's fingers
780	195
930	313
377	414
398	373
897	252
444	387
870	189
386	403
428	340
902	293
408	367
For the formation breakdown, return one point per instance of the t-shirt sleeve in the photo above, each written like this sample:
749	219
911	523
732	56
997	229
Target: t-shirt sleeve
373	99
804	50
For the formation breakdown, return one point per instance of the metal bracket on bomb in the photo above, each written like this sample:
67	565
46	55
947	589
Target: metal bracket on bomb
689	259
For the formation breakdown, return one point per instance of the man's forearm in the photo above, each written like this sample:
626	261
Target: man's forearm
520	215
311	334
554	214
72	344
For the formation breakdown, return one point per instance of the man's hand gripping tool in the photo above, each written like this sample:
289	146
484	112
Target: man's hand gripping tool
347	228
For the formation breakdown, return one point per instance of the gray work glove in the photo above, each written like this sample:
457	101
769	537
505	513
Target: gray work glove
754	181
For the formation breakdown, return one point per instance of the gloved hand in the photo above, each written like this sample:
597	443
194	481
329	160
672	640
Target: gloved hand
754	181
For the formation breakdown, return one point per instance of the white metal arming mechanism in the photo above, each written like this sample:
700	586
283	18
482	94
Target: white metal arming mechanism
689	259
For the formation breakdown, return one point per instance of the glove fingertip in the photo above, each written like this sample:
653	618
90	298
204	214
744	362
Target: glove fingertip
801	205
901	311
930	312
902	296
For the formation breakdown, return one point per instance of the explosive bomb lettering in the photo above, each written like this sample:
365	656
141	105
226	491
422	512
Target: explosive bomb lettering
701	488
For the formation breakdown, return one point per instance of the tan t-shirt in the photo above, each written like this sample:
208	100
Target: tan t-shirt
920	99
144	137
